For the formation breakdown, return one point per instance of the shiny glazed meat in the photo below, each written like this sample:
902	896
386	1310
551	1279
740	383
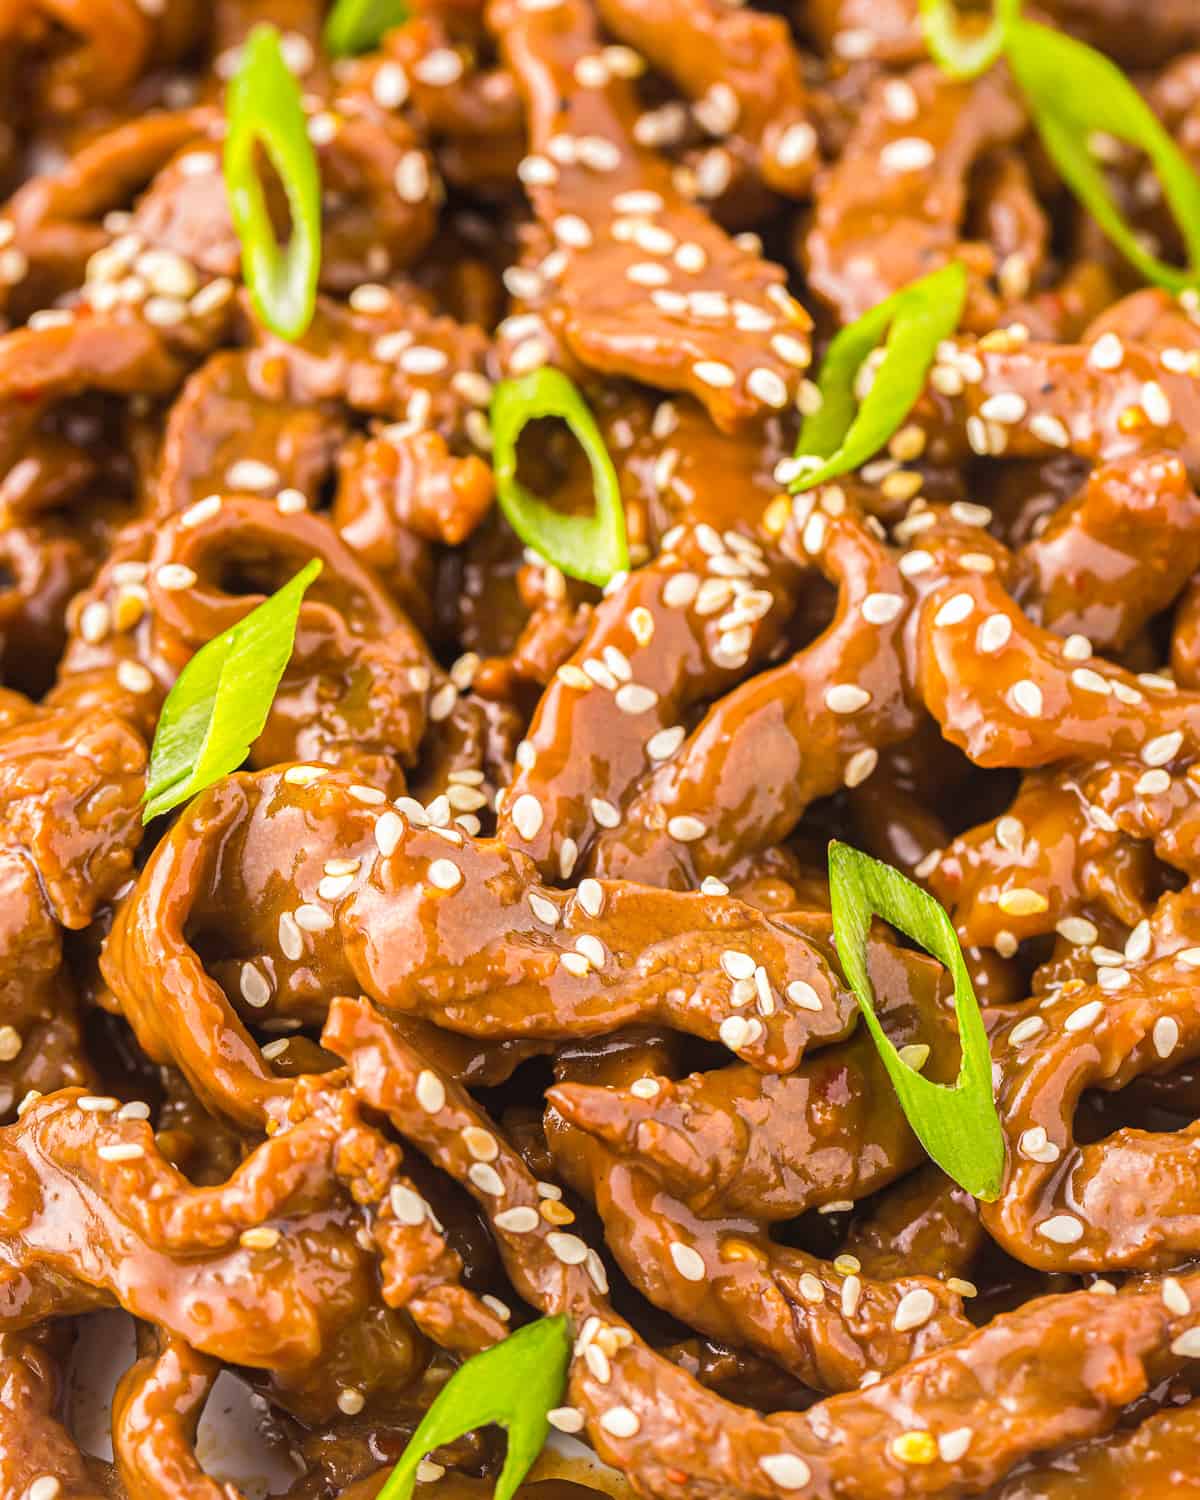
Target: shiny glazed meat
501	980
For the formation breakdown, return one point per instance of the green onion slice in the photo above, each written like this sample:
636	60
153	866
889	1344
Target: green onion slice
221	700
845	434
355	26
514	1384
589	547
1074	92
962	53
264	109
958	1126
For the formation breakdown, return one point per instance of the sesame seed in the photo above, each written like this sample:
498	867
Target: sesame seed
803	995
520	1220
1107	353
1026	698
567	1248
1005	406
1165	1035
251	474
486	1179
605	813
1062	1229
527	816
313	918
565	1418
592	949
907	154
955	610
954	1444
389	86
1086	1015
1049	429
713	373
915	1447
737	965
1037	1146
567	855
255	989
1021	901
1175	1299
633	698
994	634
44	1487
914	1309
1156	404
881	609
686	829
1187	1344
620	1421
860	766
481	1144
408	1205
846	698
688	1262
543	909
768	387
291	939
1161	749
123	1151
786	1470
350	1401
263	1237
1077	930
734	1032
431	1092
445	875
439	68
1025	1030
645	1088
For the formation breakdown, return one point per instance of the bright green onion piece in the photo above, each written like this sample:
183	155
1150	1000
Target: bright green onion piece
958	1126
589	547
221	700
264	110
957	51
355	26
514	1384
915	319
1073	93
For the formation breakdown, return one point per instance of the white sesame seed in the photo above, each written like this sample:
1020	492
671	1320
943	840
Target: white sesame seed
955	610
633	698
445	875
914	1309
408	1206
786	1470
251	474
527	816
803	995
1026	698
860	766
645	1088
686	828
770	388
439	68
565	1418
1062	1229
1156	404
567	1248
994	634
605	813
174	577
1077	930
291	939
313	918
907	154
123	1151
590	896
1025	1030
881	609
620	1421
952	1445
389	86
1049	429
1107	353
734	1032
713	372
592	949
1037	1146
255	989
1187	1344
1161	749
1165	1035
688	1262
1004	406
1175	1298
44	1487
518	1220
1087	1015
486	1179
431	1092
846	698
543	909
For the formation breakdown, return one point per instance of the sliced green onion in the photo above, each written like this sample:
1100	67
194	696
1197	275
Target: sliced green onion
264	109
958	52
355	26
589	547
958	1126
1073	93
221	700
514	1384
845	434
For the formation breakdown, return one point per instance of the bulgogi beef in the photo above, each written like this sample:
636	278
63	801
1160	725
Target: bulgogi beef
503	980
